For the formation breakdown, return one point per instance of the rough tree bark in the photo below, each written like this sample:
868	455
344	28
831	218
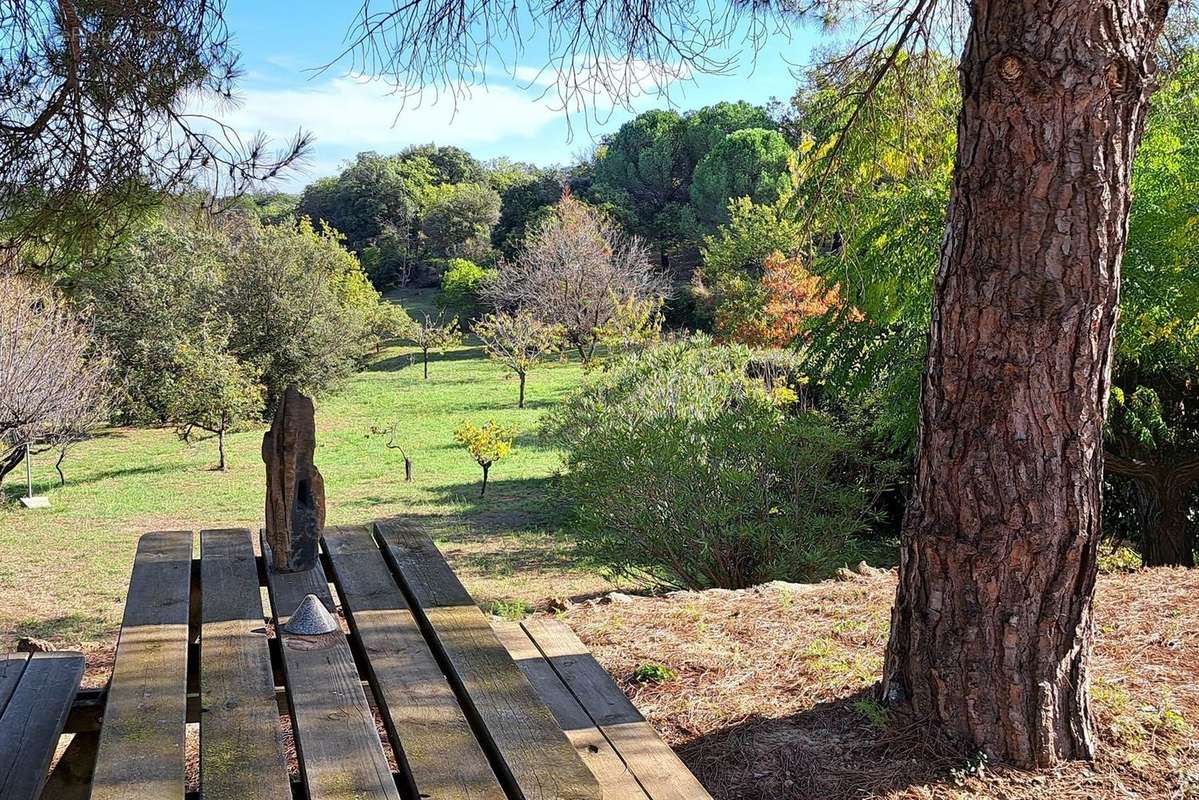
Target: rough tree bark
991	628
1163	501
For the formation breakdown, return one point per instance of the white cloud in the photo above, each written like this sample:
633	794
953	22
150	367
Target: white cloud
352	113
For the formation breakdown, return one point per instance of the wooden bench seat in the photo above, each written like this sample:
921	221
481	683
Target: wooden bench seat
613	739
36	692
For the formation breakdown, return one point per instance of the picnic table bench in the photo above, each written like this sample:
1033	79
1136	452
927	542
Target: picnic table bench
420	696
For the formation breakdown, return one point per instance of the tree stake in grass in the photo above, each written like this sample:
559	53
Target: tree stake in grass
486	445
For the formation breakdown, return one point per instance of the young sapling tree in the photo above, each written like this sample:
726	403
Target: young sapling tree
518	341
214	391
487	444
434	334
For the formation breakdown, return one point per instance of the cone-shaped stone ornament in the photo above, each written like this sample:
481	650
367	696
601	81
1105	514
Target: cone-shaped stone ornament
310	618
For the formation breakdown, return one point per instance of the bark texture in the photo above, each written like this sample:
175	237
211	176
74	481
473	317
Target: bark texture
1164	493
991	628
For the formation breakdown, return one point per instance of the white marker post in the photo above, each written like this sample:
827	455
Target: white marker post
29	501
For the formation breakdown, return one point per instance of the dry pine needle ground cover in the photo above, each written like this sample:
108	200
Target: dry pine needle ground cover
772	697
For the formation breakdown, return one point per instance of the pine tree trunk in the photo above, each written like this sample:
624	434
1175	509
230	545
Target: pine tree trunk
992	624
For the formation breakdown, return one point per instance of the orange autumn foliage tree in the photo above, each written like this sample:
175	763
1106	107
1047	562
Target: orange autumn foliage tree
789	298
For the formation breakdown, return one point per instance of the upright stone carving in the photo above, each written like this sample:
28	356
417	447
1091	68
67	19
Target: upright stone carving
295	491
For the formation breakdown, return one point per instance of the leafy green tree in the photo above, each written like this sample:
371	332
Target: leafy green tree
212	391
300	307
734	258
462	287
486	445
518	341
372	196
433	334
753	163
707	127
527	193
450	164
1153	425
457	220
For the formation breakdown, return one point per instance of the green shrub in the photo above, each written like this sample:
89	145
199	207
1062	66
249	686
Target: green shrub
654	673
460	286
683	471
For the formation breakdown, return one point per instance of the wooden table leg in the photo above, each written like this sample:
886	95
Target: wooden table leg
71	778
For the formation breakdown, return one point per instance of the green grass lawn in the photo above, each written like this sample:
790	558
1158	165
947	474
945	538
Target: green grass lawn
64	571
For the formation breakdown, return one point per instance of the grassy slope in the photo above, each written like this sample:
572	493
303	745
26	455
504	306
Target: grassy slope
64	572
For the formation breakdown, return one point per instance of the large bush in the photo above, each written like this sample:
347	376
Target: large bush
297	306
683	471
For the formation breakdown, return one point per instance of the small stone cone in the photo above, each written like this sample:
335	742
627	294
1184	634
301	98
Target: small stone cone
310	618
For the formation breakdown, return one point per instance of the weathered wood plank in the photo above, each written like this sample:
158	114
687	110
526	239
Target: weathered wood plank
597	752
12	666
530	748
32	721
241	741
659	771
141	742
336	741
420	708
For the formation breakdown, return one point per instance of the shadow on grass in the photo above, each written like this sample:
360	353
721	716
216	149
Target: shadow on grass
409	360
836	750
517	504
64	628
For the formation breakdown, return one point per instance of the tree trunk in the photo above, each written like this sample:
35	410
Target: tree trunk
407	469
992	624
1165	538
521	404
486	468
1163	492
426	352
220	444
11	461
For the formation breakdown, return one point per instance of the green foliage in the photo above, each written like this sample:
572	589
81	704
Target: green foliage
682	471
486	445
708	126
644	175
457	220
461	284
871	710
734	258
372	196
511	610
519	341
527	194
753	163
654	673
297	306
881	245
449	164
212	390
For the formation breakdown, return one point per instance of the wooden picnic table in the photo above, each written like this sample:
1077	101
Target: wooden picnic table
418	695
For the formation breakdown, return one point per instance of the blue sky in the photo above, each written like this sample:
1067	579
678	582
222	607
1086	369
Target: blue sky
281	43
